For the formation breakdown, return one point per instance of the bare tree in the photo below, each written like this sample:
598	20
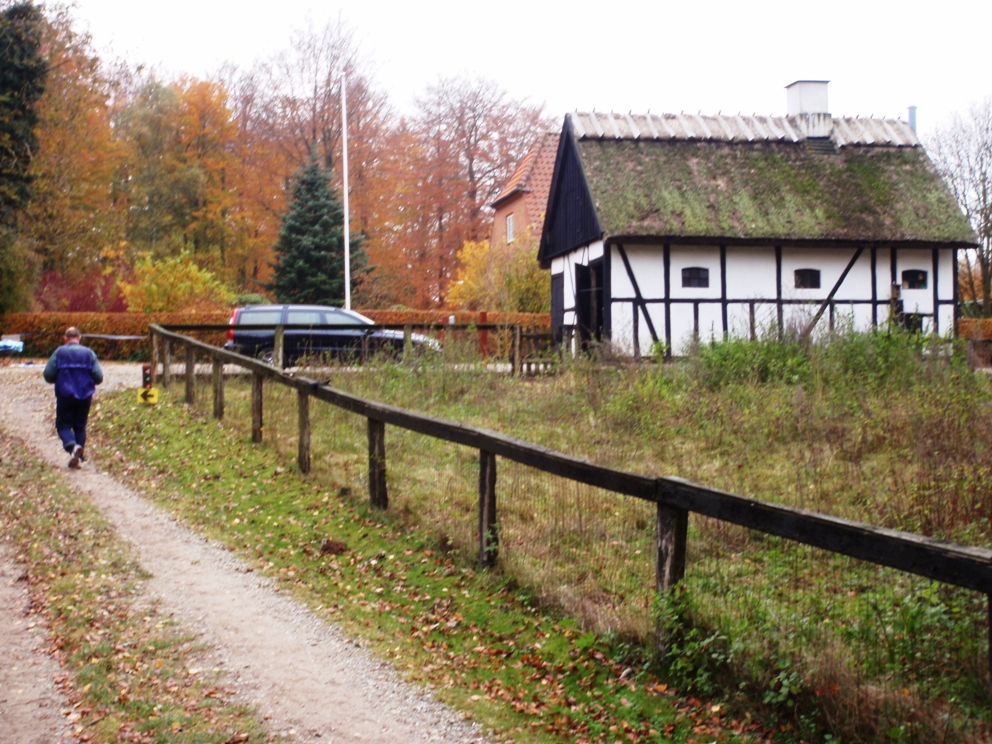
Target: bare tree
471	135
962	153
488	132
305	100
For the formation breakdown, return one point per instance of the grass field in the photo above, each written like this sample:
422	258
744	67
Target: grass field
882	428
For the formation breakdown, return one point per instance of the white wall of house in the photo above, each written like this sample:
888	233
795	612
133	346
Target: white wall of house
565	264
751	276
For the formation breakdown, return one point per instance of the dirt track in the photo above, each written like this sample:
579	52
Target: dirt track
316	685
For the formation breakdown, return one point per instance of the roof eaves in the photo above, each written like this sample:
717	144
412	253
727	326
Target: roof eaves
504	198
736	240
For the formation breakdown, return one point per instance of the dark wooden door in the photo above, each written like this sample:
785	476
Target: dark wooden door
589	301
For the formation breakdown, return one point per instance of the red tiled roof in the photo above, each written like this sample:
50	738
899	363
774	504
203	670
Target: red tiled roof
542	172
533	174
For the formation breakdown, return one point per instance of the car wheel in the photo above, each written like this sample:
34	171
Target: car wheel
268	356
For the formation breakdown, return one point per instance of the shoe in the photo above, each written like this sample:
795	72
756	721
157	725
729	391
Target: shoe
77	453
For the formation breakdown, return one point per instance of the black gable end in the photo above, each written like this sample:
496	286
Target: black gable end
571	219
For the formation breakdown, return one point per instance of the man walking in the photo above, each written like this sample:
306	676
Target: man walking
76	372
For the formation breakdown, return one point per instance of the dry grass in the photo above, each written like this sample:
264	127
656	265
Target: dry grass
876	429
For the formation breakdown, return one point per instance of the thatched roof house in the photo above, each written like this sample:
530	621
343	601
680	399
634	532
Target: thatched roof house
635	198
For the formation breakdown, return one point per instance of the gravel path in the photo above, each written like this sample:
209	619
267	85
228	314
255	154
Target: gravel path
316	685
30	704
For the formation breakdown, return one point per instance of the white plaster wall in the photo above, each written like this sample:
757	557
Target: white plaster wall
945	278
683	257
751	276
581	256
831	262
750	273
657	313
883	283
648	264
917	300
945	319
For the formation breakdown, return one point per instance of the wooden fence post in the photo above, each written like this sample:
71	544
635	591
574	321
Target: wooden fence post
278	348
303	445
190	375
167	363
484	335
673	524
515	351
488	526
218	389
407	339
155	343
256	407
378	496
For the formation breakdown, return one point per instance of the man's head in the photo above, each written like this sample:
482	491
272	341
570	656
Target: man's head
72	335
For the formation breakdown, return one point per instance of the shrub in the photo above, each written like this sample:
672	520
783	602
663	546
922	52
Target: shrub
42	332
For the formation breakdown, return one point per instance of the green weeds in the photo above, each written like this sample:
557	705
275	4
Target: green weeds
887	428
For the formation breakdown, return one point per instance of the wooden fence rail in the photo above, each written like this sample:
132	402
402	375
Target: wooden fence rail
528	353
957	565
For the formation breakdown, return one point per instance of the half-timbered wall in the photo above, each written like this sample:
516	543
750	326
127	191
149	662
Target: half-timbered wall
752	291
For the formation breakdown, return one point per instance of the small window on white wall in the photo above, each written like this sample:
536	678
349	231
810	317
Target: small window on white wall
807	278
509	228
914	279
695	276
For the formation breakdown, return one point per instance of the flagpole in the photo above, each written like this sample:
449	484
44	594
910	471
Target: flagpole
347	233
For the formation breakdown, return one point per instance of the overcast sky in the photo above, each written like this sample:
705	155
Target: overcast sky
662	55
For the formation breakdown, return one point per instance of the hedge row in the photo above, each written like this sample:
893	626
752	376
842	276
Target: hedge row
42	332
979	329
443	317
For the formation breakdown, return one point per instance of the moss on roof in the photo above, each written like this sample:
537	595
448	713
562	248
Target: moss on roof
762	191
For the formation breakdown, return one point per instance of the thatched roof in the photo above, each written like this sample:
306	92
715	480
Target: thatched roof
780	190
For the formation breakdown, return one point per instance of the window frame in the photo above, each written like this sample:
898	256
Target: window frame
811	278
510	231
690	281
919	273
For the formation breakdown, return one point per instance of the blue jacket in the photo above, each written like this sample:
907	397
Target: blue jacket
75	372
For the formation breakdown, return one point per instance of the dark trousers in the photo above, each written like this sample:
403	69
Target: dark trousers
70	421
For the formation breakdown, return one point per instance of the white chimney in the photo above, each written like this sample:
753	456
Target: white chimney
807	107
807	97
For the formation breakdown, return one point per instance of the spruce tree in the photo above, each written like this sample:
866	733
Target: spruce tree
22	81
309	266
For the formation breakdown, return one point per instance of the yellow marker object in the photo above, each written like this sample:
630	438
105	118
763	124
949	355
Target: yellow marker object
148	395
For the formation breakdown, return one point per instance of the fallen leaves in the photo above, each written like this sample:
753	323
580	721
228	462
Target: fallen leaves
120	660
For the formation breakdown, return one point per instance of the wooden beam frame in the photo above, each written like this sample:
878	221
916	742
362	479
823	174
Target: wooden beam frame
723	291
823	306
780	312
639	298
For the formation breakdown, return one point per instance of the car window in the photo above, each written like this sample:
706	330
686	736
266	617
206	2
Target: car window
260	317
343	319
303	317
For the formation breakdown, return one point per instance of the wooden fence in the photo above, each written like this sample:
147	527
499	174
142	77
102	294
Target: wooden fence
675	498
529	350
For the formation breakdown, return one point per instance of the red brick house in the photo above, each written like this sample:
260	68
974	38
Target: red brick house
521	204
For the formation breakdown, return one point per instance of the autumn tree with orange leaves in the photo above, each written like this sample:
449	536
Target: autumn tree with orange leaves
132	168
446	165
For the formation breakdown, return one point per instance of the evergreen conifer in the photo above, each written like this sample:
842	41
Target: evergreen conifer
23	70
309	266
